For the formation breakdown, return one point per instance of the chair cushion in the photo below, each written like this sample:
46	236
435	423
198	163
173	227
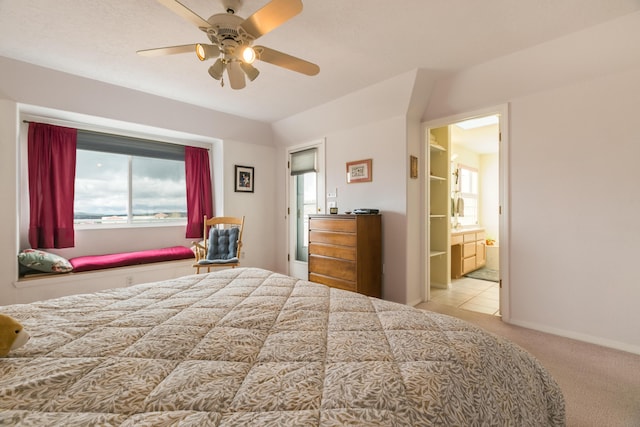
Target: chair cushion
223	243
233	260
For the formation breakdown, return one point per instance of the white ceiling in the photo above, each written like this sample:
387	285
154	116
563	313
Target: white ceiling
481	140
356	43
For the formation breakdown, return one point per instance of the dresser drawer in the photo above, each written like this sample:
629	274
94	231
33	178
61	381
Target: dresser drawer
333	238
468	249
333	267
333	282
469	237
480	235
456	239
344	225
344	252
469	264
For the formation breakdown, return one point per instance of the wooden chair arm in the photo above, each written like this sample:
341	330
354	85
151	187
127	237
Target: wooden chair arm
199	250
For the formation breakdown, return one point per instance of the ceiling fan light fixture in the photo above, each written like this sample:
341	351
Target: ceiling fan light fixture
206	51
231	38
248	55
251	71
217	69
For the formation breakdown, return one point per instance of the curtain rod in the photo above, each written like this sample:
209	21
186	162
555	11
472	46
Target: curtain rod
54	120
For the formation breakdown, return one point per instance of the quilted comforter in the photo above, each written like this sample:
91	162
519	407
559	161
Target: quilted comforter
250	347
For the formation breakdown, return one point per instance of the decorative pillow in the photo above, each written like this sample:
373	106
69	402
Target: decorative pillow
44	261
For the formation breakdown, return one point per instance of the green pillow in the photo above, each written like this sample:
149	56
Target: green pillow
44	261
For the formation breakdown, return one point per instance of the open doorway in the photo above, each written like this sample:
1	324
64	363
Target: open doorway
305	190
475	219
473	253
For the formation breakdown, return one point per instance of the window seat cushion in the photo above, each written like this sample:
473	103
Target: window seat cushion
97	262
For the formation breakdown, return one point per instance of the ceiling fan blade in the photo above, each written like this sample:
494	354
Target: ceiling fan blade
283	60
236	75
271	16
170	50
179	9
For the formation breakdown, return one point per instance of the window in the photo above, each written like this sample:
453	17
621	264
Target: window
306	205
468	191
304	171
121	180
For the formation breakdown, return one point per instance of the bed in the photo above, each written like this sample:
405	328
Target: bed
251	347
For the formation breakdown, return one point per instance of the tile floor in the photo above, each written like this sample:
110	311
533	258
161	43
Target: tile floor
470	294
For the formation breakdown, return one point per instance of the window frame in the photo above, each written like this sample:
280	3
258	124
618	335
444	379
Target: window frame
469	195
96	124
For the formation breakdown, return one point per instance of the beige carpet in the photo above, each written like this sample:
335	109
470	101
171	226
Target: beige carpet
601	386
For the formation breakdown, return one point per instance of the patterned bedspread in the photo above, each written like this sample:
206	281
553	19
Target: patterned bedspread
248	347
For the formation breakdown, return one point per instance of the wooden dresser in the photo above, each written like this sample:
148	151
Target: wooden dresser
345	251
468	251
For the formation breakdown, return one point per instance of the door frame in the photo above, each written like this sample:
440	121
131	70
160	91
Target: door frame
502	111
319	144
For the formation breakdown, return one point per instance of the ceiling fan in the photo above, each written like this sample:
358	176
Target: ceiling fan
232	40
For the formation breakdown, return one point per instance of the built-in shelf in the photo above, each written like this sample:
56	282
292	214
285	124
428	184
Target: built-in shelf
439	208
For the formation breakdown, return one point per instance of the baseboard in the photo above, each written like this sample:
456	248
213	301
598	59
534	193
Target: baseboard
414	302
617	345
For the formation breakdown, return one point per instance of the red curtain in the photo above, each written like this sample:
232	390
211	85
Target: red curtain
52	172
199	195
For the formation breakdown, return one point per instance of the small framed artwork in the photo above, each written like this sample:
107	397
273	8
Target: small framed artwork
413	166
244	179
359	171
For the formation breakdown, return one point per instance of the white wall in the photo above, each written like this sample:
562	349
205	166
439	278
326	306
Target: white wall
8	198
489	194
386	192
574	199
258	208
243	139
575	176
33	85
372	123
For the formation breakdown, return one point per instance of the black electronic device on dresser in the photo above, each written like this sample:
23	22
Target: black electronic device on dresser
367	211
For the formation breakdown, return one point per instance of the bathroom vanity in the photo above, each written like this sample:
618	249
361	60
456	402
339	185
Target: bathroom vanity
468	251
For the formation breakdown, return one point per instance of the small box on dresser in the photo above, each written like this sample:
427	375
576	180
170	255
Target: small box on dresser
345	252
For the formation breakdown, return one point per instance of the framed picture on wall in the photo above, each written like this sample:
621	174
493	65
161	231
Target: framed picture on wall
413	166
359	171
244	179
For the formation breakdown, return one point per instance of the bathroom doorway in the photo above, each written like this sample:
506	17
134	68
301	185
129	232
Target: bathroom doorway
475	152
478	240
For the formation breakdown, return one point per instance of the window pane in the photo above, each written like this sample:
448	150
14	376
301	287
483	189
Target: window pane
306	205
159	190
469	194
103	182
101	188
468	180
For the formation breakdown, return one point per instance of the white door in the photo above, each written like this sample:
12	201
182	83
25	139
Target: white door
306	197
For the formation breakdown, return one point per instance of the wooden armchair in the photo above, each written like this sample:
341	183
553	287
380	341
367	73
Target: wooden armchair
222	243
